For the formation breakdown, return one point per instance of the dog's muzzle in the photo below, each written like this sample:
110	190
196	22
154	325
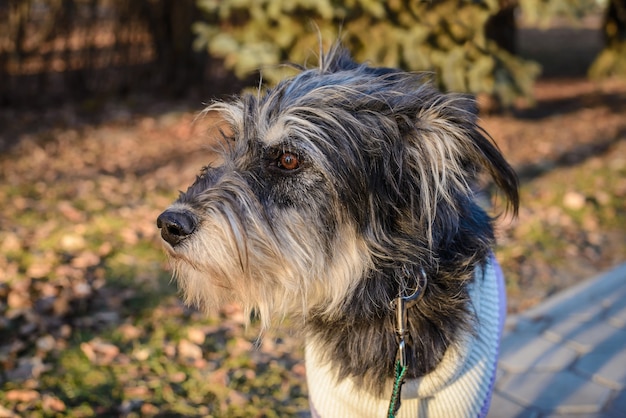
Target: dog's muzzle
176	225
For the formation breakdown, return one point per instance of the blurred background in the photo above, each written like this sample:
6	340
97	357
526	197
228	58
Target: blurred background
98	100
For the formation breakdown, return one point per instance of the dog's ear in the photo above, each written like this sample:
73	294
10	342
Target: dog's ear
454	150
444	152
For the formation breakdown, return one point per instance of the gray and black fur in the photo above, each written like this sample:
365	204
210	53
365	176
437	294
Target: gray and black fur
333	185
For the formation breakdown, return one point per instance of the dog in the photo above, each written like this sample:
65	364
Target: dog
346	198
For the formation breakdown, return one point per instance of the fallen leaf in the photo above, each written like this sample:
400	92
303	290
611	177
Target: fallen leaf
10	243
105	249
142	354
46	343
130	332
82	290
70	212
219	377
147	409
169	350
188	350
72	243
136	392
85	259
237	398
177	377
22	395
196	335
6	413
299	369
17	300
61	305
39	269
574	200
100	352
52	403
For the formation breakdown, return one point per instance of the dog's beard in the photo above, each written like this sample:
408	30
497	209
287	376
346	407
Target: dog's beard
236	256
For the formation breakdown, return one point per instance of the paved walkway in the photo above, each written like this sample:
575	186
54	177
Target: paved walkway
567	357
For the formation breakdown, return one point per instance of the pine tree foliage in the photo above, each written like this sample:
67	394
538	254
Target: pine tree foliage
446	37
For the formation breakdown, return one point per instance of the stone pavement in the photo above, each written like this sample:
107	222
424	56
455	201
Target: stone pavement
567	357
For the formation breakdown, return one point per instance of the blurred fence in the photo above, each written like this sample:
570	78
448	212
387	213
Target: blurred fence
60	49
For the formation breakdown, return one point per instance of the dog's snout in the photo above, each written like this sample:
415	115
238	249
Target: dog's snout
175	226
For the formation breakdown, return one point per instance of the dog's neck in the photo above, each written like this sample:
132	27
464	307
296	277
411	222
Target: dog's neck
362	343
460	385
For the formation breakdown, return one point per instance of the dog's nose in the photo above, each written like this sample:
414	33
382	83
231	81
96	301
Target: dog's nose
176	225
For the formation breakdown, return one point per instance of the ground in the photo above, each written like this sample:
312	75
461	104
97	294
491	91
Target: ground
91	324
570	153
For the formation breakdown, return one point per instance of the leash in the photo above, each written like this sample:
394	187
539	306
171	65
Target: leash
401	304
394	404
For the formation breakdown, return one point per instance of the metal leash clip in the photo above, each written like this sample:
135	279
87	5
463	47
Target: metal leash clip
401	305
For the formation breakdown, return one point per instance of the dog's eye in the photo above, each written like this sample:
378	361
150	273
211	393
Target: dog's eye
288	161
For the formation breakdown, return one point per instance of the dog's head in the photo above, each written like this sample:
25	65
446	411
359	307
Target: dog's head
340	176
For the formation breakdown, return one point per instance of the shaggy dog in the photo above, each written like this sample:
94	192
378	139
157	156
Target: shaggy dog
346	198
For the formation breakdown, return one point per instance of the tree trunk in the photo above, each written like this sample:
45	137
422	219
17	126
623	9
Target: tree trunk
502	27
614	27
170	24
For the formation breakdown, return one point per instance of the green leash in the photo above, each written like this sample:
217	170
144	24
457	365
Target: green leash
394	404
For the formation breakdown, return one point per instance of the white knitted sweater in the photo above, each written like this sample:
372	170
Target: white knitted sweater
459	387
